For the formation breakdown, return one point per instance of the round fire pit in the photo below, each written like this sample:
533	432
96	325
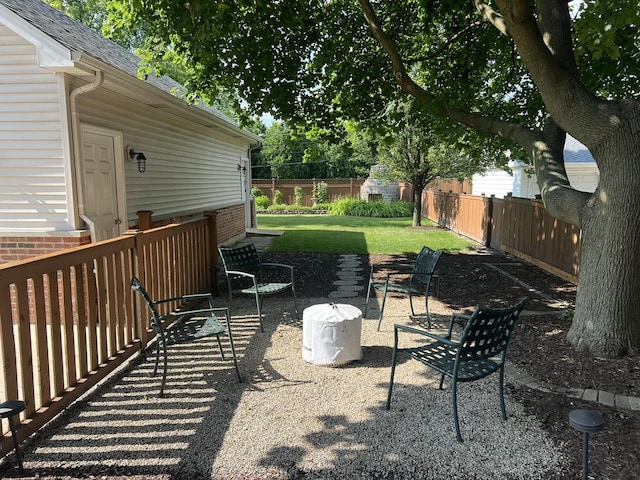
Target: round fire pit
331	334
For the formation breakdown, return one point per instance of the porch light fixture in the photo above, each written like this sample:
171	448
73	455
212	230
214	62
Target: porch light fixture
141	159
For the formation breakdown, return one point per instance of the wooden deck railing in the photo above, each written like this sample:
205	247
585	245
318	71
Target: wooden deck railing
69	319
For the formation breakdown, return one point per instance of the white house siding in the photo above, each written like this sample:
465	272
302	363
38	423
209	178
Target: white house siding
493	182
190	167
33	196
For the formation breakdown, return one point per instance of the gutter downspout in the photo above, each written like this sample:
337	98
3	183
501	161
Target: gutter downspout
75	134
250	219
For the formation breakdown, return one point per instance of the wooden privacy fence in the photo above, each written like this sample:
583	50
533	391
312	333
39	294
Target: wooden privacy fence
69	319
337	188
341	188
519	226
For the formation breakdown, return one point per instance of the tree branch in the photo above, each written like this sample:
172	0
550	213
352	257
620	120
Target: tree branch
490	15
446	45
553	70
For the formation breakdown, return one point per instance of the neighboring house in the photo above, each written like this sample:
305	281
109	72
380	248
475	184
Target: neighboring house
581	168
72	109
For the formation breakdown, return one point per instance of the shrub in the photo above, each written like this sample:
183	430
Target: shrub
299	195
362	208
262	202
256	192
277	197
320	193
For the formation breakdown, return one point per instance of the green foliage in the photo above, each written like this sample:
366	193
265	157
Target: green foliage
417	154
308	153
357	235
256	192
320	193
361	208
91	13
262	202
606	46
298	193
294	208
277	197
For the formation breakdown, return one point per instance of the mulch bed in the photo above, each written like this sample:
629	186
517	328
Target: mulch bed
538	346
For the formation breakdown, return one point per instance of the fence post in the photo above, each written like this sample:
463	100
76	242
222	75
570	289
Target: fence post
144	219
489	223
212	235
139	270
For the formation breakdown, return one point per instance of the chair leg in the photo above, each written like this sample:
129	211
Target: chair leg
229	288
426	304
413	313
233	349
454	399
366	303
166	364
295	301
16	445
502	407
259	307
155	367
394	357
220	347
384	300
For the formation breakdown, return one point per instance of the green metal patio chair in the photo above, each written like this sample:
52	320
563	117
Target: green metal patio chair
417	284
190	325
243	262
480	351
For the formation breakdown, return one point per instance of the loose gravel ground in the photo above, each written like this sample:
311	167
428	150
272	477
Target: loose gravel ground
290	419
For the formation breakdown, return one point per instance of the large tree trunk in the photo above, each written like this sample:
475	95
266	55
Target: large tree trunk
606	320
417	206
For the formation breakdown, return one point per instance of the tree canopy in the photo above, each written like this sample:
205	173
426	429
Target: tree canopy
505	73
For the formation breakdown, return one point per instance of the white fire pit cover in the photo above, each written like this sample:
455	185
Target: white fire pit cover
331	334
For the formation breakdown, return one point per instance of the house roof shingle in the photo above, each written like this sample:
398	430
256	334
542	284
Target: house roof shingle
77	37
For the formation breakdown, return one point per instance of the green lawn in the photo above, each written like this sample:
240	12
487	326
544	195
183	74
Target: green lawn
360	235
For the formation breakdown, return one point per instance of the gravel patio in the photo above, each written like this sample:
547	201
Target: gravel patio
290	419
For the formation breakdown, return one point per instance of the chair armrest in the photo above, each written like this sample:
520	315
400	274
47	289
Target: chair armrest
183	297
198	311
277	265
239	273
397	274
424	333
280	265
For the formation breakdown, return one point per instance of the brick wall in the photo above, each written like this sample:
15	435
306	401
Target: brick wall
230	223
14	248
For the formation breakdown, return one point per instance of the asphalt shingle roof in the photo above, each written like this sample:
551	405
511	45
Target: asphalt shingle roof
79	38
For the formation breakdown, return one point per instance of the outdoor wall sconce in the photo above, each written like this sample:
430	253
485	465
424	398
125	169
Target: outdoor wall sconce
240	167
140	158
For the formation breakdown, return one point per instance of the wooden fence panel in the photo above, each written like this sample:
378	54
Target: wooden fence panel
464	214
69	319
541	239
519	226
336	188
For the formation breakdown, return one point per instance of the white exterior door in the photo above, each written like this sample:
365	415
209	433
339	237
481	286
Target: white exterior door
103	209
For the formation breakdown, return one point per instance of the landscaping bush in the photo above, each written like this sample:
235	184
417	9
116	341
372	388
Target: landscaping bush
278	197
320	193
294	208
262	202
256	192
361	208
298	192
